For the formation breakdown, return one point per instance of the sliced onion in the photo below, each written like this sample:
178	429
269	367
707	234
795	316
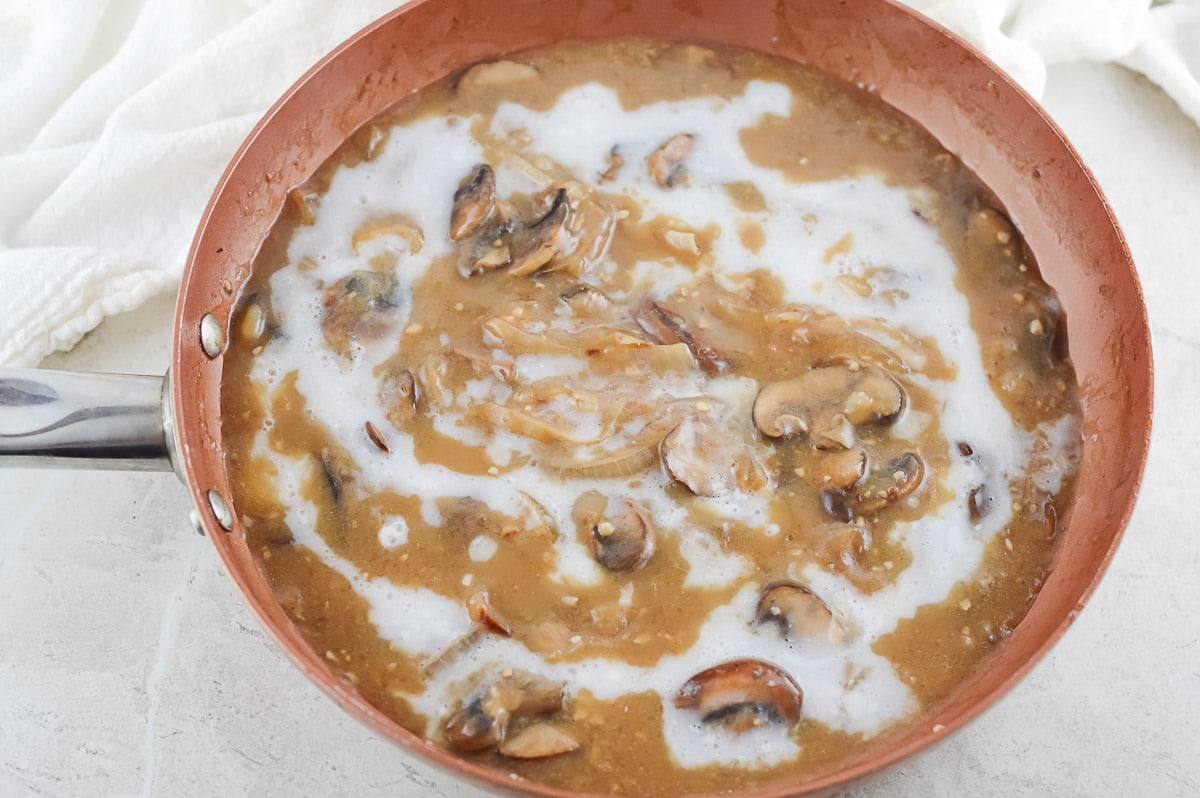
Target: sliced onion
669	357
641	453
528	426
622	464
555	342
396	224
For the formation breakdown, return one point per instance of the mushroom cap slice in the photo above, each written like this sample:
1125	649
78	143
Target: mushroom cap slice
622	539
978	503
889	483
536	245
696	457
398	394
843	469
798	612
369	290
473	727
585	299
837	505
473	202
615	162
665	164
741	694
826	401
488	258
376	437
357	308
481	722
669	327
538	741
337	471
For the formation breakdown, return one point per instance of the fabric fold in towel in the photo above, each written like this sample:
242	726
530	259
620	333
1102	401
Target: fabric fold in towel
1024	37
130	110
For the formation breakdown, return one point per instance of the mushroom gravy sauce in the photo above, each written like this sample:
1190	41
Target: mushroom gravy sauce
648	418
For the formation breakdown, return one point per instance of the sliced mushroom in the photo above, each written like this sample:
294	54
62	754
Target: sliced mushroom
584	298
798	612
670	328
842	469
489	252
368	290
874	396
836	504
473	727
337	471
615	162
482	720
978	503
473	202
479	607
979	500
622	540
376	437
356	308
743	694
538	741
536	245
826	402
398	394
665	164
889	483
572	233
832	431
697	456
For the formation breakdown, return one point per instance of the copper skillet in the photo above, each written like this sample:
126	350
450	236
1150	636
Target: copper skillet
972	108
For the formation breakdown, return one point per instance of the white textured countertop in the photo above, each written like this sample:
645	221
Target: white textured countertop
129	665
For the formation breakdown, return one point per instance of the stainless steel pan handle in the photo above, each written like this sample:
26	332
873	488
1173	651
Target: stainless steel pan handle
61	419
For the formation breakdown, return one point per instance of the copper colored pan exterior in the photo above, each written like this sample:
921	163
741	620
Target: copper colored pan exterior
975	111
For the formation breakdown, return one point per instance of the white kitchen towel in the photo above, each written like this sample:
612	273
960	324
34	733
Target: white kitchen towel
1160	39
121	114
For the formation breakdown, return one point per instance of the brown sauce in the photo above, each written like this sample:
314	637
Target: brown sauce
839	489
